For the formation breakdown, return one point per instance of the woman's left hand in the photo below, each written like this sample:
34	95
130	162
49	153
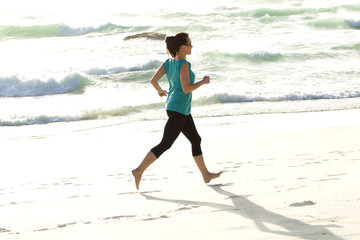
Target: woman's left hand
206	79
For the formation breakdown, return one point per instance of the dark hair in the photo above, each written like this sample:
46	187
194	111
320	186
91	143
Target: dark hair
174	43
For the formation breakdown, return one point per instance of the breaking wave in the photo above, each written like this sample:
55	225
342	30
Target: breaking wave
85	115
334	23
53	30
353	23
284	12
239	98
152	64
257	56
348	47
14	87
261	12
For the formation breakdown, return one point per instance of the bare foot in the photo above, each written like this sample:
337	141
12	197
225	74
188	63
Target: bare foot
212	176
137	177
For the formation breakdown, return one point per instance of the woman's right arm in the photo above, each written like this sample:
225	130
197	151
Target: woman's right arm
155	81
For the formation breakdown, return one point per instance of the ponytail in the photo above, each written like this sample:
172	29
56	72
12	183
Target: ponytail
173	43
170	45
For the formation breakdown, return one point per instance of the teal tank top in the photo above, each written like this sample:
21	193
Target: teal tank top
177	100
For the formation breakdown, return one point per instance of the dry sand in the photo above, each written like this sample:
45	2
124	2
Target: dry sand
286	176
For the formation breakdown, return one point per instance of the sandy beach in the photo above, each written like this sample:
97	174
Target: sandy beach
286	176
280	118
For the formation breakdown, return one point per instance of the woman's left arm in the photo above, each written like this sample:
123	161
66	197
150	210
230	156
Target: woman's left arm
185	80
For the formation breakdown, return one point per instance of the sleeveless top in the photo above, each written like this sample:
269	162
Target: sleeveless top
177	100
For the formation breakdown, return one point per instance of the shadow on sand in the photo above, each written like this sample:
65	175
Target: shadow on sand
259	215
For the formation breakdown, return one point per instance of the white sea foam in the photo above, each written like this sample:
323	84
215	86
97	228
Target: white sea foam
251	97
64	30
152	64
254	56
18	120
332	23
52	30
353	23
263	57
15	87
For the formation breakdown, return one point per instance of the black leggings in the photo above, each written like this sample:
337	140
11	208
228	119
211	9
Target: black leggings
176	124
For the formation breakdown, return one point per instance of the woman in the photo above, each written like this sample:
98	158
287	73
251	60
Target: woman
178	105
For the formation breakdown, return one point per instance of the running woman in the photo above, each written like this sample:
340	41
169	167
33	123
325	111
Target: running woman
178	106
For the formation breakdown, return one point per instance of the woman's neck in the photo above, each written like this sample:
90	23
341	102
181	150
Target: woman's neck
180	56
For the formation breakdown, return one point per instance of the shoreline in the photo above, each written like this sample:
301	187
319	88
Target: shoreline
312	119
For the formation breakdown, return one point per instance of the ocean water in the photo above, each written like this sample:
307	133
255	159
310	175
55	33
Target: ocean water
67	61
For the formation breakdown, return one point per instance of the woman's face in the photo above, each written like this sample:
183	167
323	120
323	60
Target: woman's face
188	47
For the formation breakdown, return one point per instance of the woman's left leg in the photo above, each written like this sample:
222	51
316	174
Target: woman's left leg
193	136
172	130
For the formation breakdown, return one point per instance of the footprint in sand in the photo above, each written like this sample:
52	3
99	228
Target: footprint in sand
155	218
327	179
41	230
182	209
58	226
337	175
302	204
119	217
3	230
186	208
117	176
66	224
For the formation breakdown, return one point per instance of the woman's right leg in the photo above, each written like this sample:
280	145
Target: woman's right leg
172	130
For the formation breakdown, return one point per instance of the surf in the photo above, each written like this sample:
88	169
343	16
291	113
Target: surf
292	11
85	115
255	56
281	12
151	65
334	23
222	98
54	30
16	87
